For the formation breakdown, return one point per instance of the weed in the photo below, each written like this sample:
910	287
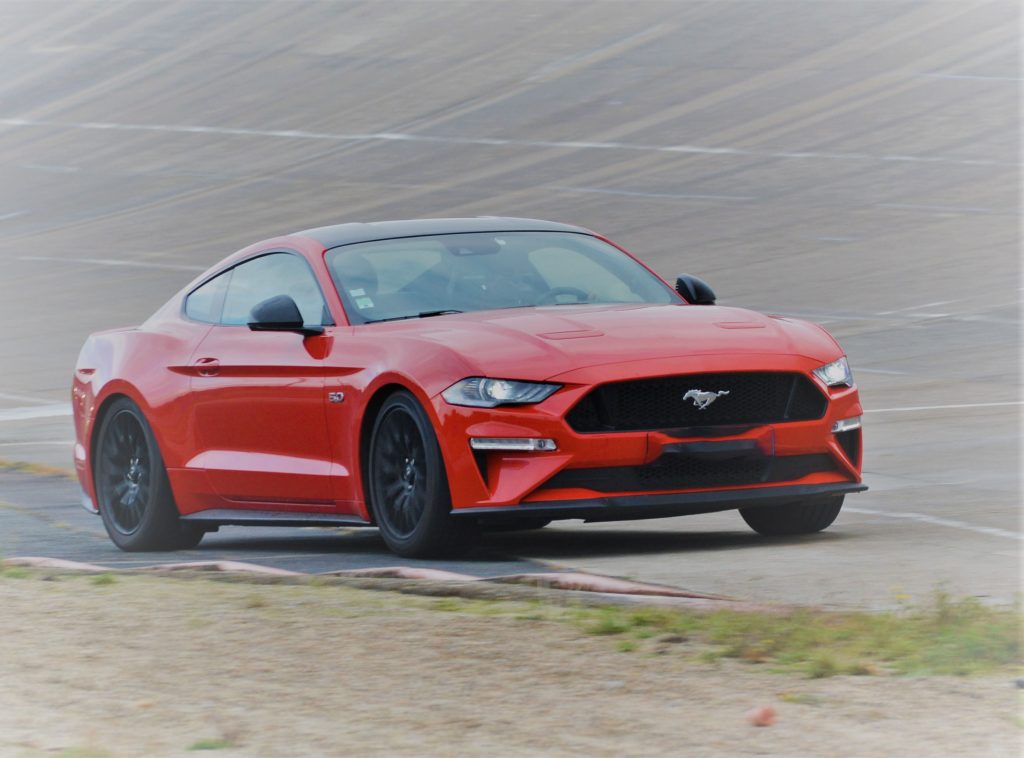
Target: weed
450	604
608	622
821	666
800	698
36	468
210	744
948	636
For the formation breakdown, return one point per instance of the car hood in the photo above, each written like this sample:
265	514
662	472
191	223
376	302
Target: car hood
542	342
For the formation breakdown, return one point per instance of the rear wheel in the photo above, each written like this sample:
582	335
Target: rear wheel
407	484
798	517
132	489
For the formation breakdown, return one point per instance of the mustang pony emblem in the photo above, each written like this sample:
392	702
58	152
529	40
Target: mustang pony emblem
703	399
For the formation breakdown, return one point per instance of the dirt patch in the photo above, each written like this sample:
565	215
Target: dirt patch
155	666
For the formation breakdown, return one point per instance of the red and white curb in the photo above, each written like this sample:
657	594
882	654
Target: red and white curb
570	581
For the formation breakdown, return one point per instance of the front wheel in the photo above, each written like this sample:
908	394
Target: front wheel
798	517
407	484
132	489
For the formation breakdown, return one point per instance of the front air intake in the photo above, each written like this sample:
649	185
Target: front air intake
741	398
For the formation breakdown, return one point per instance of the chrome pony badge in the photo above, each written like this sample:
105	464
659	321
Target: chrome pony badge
703	399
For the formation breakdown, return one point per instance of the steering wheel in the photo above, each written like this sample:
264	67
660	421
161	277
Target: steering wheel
549	297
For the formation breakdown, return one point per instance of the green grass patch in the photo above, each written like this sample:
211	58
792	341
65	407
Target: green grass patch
211	744
36	468
102	580
800	698
608	622
15	572
946	636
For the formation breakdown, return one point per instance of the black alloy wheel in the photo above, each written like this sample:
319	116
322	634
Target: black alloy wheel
401	472
124	473
132	490
797	517
407	486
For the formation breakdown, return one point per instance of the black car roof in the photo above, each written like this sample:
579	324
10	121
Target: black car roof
347	234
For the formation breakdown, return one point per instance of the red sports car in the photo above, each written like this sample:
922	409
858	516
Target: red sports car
434	377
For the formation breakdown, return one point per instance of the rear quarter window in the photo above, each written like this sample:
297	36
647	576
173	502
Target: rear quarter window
206	302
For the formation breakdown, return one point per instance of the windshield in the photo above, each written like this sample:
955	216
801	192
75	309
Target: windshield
454	273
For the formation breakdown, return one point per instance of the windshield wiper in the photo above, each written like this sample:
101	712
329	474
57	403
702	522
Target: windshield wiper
421	314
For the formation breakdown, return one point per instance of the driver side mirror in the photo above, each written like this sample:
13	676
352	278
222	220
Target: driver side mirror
694	290
280	314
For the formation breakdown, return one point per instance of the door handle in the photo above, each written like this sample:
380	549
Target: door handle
207	367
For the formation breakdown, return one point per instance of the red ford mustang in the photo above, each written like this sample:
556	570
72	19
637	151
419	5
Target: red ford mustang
433	377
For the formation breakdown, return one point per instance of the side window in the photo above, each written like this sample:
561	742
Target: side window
204	303
268	276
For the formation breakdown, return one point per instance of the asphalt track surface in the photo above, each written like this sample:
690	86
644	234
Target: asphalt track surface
853	163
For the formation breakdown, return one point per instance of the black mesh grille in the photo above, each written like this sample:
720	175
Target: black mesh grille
680	472
647	404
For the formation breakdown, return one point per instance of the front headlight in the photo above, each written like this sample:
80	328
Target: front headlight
835	374
480	392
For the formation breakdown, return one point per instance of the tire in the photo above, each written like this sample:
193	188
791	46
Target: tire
132	490
407	486
799	517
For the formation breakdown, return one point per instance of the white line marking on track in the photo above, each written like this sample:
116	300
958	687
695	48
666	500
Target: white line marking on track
112	262
944	407
24	398
51	169
917	307
972	77
39	411
55	443
862	370
486	141
938	208
937	521
15	214
577	59
668	195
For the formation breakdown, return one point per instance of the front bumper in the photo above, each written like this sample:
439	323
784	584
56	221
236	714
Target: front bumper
634	507
598	474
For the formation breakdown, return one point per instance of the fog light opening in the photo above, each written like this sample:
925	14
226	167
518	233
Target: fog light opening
846	425
520	444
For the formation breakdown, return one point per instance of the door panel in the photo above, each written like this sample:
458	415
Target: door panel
258	404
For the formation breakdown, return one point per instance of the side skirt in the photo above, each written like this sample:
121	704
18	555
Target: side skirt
231	516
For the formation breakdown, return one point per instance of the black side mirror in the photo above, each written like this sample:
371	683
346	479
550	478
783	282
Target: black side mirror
280	314
694	290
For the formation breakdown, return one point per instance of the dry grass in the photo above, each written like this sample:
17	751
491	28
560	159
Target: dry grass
165	666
